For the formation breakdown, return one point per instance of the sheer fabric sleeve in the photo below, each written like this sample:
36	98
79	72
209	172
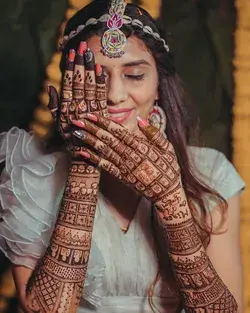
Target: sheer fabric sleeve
31	188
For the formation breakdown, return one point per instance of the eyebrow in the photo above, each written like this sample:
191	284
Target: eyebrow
136	63
133	63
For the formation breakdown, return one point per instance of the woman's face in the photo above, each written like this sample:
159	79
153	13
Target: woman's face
132	81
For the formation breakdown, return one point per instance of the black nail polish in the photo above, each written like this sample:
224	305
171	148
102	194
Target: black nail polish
79	59
101	79
89	60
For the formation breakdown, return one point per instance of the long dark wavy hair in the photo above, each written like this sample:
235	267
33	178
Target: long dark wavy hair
182	126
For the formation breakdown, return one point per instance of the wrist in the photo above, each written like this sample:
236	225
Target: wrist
173	206
78	162
173	192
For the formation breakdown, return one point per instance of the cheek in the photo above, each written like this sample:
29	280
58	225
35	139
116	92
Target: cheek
143	102
144	99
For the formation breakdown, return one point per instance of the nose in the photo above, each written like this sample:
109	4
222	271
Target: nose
117	92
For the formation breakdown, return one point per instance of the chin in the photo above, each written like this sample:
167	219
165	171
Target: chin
131	127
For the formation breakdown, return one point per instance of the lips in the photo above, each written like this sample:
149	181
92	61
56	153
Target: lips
119	115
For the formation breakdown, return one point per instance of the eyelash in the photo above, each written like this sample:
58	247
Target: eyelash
132	77
136	77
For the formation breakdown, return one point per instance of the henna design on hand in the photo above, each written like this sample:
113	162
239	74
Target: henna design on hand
201	287
63	268
137	162
56	283
151	167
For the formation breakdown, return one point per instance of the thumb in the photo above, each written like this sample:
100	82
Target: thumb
53	104
152	133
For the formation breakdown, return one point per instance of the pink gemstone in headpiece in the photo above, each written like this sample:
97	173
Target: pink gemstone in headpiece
113	39
115	21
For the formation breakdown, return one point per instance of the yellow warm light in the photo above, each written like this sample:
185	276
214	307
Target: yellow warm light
153	7
78	4
241	129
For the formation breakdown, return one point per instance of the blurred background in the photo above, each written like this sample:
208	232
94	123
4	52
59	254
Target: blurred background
211	44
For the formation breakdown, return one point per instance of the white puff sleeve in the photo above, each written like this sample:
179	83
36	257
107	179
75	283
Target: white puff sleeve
214	169
31	188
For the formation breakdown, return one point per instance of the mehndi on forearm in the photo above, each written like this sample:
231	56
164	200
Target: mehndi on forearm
201	287
56	283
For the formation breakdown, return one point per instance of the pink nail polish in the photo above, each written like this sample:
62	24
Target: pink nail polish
82	47
85	154
71	55
98	69
92	117
80	124
142	121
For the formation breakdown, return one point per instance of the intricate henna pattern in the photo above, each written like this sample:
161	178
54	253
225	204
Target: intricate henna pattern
56	283
151	167
201	287
148	165
62	271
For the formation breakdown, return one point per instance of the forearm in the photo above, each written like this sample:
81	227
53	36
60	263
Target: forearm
201	287
56	283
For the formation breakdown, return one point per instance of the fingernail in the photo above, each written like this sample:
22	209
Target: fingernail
82	47
92	117
85	154
142	121
98	69
71	55
78	123
48	89
79	133
89	55
89	60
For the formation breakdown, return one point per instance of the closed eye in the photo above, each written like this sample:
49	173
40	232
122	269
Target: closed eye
135	77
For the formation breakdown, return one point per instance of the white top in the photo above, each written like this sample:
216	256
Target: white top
121	266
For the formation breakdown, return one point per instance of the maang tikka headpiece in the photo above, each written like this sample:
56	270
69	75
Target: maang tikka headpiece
113	39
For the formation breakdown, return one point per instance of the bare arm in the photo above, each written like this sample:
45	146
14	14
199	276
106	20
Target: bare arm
21	275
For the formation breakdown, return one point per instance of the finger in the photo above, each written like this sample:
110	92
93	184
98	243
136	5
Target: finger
81	109
101	163
101	91
68	77
114	129
129	147
90	81
153	134
78	82
79	72
53	104
64	119
67	108
118	146
103	149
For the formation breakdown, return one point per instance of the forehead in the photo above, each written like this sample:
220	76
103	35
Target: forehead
135	49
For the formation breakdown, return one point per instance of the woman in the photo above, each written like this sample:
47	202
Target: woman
164	239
